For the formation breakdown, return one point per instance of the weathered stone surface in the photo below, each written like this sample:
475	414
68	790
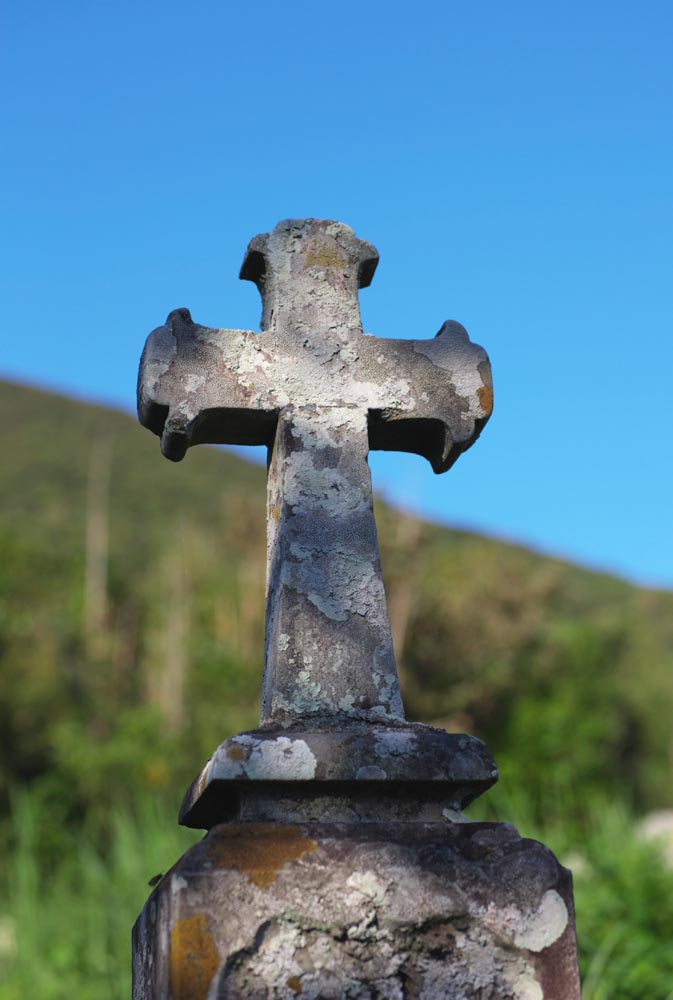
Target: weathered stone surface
319	393
435	911
427	766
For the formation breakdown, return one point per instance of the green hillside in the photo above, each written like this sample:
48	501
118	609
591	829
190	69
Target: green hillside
131	638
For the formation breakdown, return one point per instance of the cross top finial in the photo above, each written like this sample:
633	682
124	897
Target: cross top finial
321	243
308	272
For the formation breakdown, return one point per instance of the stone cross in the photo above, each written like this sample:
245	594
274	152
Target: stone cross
319	393
337	860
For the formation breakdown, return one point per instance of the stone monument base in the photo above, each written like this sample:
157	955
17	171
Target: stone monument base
398	910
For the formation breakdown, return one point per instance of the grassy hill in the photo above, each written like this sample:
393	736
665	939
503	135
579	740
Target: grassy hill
131	621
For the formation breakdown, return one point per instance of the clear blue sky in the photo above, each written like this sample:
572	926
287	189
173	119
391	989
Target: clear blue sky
513	163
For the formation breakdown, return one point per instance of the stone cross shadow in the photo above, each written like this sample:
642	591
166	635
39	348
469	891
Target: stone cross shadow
319	393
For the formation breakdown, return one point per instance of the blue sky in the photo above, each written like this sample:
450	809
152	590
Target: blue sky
513	163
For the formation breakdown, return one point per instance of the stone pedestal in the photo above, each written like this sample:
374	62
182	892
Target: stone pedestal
338	864
360	910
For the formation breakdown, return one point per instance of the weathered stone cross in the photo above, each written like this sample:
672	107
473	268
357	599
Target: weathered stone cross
319	393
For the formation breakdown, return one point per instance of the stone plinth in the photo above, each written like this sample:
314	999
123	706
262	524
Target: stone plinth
466	911
337	769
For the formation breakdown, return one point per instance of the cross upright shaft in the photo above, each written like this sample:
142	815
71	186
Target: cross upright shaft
319	393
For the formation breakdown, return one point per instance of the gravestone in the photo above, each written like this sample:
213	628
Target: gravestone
337	861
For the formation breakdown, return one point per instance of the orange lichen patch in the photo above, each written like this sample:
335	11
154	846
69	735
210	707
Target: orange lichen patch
485	394
235	753
325	256
294	982
258	849
194	959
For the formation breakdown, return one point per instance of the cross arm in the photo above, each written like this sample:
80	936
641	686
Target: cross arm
199	385
447	397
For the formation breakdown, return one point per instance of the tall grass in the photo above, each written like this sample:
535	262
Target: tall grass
65	930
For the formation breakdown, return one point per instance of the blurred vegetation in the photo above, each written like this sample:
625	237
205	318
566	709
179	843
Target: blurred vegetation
131	638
